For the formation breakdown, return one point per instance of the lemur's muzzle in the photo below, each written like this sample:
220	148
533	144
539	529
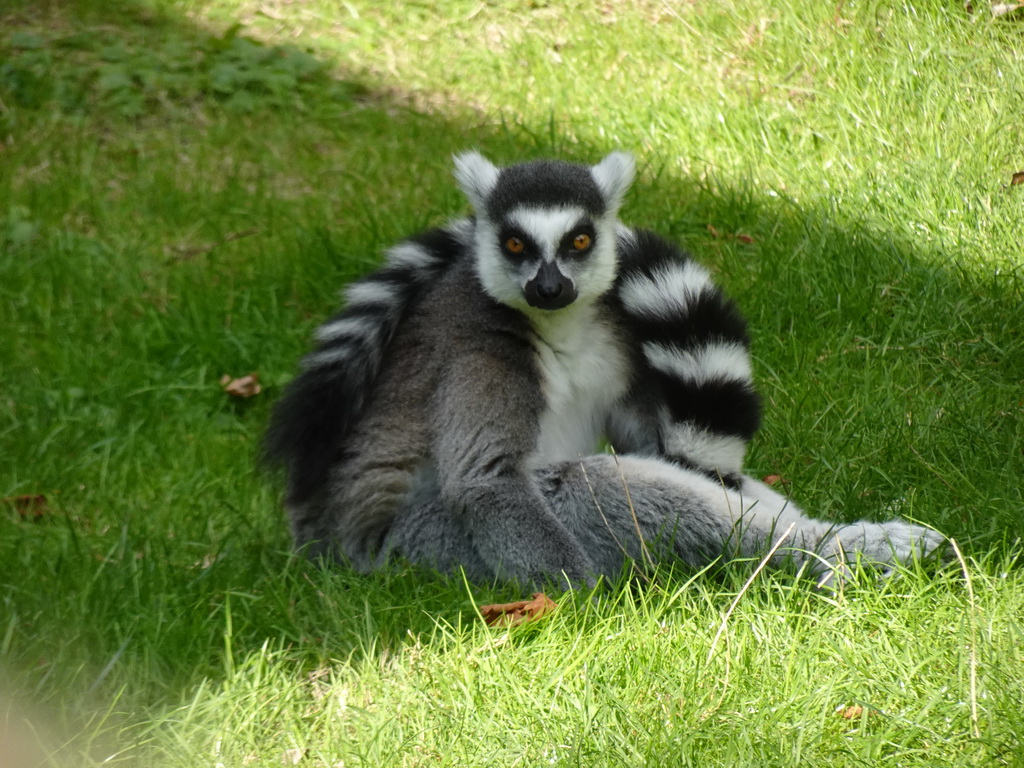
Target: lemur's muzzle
549	288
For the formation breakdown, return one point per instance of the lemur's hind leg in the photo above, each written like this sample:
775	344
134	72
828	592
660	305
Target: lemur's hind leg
431	535
628	508
883	545
609	503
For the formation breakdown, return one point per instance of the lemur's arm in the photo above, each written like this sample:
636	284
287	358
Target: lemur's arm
485	428
694	353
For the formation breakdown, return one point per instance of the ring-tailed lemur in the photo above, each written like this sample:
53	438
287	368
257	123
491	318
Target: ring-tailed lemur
451	413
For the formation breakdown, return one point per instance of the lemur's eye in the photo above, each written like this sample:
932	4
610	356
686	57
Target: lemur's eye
582	242
515	245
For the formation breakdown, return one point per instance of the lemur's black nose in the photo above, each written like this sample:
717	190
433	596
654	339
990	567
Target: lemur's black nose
550	289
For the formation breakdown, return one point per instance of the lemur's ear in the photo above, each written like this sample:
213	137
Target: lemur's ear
613	175
476	176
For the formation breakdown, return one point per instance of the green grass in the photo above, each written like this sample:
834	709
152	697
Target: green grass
182	197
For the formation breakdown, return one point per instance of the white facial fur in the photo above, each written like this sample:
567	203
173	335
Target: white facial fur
504	281
499	278
592	274
546	226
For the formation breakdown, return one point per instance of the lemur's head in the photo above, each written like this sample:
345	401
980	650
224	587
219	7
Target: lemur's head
545	230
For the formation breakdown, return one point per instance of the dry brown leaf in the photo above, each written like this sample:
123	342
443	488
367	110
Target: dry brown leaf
1017	178
244	386
511	614
851	712
183	252
774	480
742	237
30	506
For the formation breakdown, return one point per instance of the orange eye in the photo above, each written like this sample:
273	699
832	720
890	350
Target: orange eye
582	242
515	245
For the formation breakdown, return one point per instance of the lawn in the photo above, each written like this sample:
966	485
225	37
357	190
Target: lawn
185	185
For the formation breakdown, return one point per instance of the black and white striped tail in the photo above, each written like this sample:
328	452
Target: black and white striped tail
695	349
319	407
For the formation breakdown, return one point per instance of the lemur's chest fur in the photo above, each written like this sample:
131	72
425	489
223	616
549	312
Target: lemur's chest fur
583	372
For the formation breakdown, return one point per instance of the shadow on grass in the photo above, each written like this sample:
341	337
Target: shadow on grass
213	194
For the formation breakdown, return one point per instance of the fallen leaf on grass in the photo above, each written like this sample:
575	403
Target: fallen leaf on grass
511	614
743	238
189	252
207	562
774	480
851	712
244	386
1017	178
293	756
30	506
